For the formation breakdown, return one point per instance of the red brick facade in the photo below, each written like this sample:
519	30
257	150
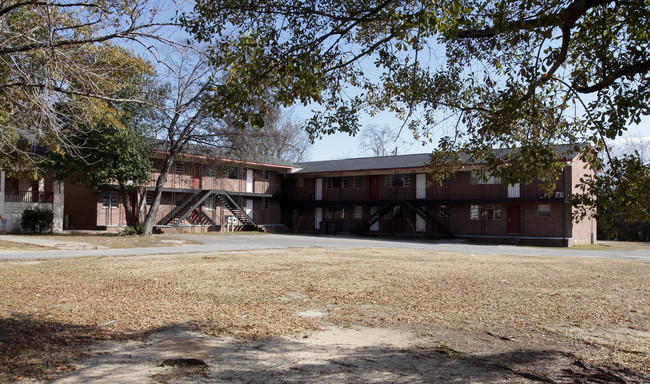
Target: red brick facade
344	200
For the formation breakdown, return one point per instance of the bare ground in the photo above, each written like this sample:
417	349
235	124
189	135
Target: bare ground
313	315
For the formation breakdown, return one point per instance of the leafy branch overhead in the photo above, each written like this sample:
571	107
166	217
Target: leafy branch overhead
525	75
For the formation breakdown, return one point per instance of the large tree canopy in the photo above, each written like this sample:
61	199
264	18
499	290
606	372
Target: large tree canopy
512	74
526	75
54	52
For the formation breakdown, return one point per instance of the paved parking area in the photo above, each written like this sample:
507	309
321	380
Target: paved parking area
243	242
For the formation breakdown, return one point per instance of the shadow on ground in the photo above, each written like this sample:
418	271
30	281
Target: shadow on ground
43	350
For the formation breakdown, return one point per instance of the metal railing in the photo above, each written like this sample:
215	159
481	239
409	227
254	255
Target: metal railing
28	197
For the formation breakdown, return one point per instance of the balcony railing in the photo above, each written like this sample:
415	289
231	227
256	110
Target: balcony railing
28	197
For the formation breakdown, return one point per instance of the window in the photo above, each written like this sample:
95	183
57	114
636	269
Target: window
266	174
211	171
266	203
234	173
336	182
397	181
477	178
544	210
358	212
300	182
109	199
488	212
149	198
180	167
393	213
358	182
444	211
210	203
331	212
300	211
342	213
474	212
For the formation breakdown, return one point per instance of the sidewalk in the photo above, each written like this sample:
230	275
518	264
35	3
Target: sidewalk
52	242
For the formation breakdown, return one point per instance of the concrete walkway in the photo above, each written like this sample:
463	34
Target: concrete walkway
244	242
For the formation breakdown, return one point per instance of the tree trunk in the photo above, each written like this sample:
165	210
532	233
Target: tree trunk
149	221
141	196
126	199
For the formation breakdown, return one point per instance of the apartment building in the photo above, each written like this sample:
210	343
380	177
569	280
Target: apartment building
387	196
395	195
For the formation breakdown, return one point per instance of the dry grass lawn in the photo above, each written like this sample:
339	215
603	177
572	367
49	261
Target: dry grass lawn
600	306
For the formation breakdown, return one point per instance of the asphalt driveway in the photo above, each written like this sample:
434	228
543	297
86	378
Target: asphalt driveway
244	242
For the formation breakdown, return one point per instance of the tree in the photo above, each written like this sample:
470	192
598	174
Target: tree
281	137
105	155
621	204
376	139
54	52
525	75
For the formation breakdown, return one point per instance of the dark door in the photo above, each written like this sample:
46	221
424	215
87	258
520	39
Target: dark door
196	177
375	184
514	219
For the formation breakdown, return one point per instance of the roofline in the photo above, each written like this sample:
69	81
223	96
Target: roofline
226	160
423	167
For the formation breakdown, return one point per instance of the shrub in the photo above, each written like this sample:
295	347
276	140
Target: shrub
37	220
132	230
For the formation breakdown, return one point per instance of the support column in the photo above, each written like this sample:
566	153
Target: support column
57	206
3	221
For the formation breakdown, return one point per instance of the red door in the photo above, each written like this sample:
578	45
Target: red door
196	177
375	184
514	219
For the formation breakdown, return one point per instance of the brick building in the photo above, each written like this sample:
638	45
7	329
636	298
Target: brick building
392	195
395	195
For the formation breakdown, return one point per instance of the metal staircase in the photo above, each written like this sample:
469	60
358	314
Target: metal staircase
428	218
364	226
229	203
182	211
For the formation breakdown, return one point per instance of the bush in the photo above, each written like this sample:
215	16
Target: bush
131	230
37	220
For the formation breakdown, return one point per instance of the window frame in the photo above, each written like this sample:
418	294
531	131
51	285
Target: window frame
112	201
400	180
179	167
546	214
488	212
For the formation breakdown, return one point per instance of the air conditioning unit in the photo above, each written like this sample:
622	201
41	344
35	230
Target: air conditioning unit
558	195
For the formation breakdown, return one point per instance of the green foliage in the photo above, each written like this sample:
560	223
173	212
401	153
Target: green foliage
54	53
527	76
130	230
37	220
619	197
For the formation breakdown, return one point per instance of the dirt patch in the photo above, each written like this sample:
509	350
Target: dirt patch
388	315
9	246
87	241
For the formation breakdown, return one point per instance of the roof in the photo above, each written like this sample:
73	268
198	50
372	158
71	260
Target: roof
221	153
413	161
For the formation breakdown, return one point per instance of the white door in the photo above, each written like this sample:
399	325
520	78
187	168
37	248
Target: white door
514	190
318	191
421	186
420	224
318	217
249	208
249	180
375	226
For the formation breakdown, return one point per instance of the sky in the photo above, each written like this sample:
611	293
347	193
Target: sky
340	145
